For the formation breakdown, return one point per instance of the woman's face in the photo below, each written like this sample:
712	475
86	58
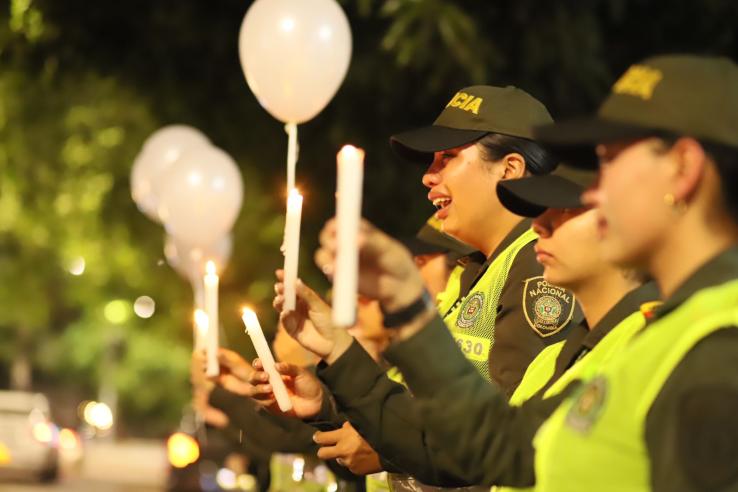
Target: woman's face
462	187
632	218
568	247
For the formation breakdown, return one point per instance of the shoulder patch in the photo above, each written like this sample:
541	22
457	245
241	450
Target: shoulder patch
588	405
548	308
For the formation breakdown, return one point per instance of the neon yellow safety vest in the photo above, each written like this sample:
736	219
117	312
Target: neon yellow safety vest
471	320
446	299
595	439
542	368
538	373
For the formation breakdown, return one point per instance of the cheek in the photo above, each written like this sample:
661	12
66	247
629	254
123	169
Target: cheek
472	188
634	208
627	195
581	247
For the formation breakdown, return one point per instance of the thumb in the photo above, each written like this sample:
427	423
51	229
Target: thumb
311	297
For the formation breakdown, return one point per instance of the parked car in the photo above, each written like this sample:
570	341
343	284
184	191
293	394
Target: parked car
28	437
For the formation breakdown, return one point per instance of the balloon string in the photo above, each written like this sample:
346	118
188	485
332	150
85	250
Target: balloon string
292	150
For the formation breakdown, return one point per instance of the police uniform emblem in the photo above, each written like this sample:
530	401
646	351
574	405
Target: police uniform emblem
588	405
547	308
470	310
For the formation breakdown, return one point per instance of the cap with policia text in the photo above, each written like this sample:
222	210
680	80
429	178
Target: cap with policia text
689	95
531	196
472	113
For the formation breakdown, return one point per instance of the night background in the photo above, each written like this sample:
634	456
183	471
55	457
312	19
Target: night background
83	83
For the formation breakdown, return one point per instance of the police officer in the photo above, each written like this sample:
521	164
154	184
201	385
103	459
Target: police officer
483	136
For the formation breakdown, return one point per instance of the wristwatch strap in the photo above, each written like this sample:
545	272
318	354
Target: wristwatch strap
408	313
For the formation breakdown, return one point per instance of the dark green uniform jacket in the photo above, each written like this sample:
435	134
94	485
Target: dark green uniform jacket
691	428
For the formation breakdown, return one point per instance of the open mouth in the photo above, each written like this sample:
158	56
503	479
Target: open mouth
441	203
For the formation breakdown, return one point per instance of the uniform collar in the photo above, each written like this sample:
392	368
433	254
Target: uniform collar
627	305
720	269
478	264
515	233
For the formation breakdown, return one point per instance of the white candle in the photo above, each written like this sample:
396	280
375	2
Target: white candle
348	215
291	247
253	329
201	329
211	309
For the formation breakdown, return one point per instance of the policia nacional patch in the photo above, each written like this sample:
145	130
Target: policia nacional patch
548	308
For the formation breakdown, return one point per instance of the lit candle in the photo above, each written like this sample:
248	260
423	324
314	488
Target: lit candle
253	329
348	215
201	329
291	247
211	309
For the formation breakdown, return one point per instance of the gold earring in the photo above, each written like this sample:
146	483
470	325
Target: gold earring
679	206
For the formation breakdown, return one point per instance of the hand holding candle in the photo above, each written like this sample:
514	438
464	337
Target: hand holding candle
292	247
253	328
348	215
211	309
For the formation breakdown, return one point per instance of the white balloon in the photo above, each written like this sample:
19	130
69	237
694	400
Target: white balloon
295	54
201	196
160	151
189	261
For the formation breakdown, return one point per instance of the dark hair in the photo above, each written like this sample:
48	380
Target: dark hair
726	163
538	160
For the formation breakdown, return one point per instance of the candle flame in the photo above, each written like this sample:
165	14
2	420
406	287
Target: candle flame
294	201
349	151
201	320
249	316
210	267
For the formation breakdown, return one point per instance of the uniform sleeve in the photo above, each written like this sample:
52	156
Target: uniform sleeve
385	414
485	440
267	431
692	427
518	338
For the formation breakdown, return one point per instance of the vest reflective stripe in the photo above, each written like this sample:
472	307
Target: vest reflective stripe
603	423
538	373
471	320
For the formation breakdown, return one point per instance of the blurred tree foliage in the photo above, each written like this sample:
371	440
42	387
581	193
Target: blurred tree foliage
83	83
